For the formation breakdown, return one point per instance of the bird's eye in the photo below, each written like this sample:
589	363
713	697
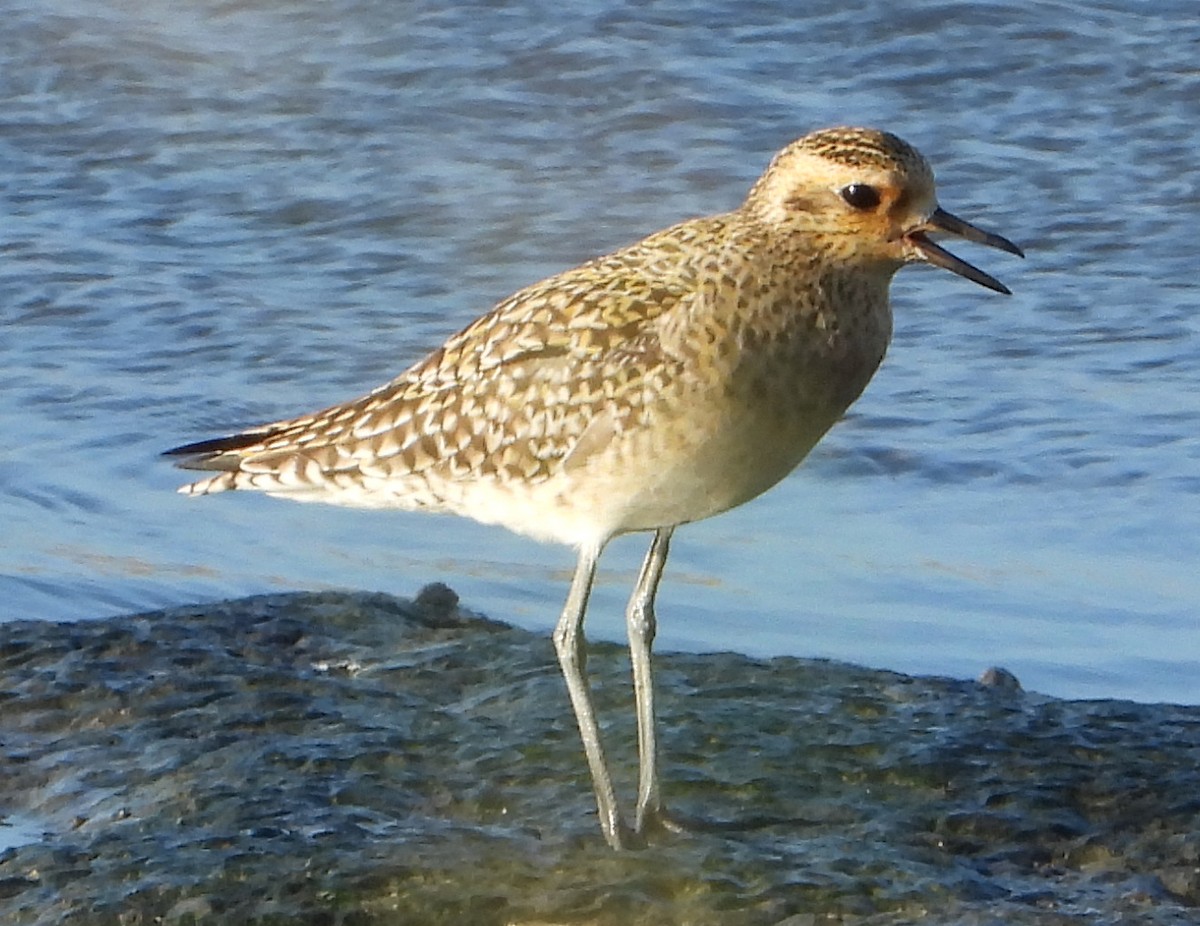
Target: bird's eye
860	196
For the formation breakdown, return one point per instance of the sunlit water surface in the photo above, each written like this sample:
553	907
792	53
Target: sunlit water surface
220	213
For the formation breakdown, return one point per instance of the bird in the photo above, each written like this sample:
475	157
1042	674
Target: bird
663	383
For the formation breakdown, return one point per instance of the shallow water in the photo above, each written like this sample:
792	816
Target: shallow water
218	214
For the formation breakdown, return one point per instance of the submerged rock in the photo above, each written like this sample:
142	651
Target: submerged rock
359	759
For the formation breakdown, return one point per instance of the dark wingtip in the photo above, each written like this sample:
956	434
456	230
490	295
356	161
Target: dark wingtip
211	446
205	454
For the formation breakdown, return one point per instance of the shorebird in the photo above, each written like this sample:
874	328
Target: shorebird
666	382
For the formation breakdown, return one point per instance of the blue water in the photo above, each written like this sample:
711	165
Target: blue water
218	213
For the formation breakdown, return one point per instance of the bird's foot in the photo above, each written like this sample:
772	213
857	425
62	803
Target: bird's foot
660	820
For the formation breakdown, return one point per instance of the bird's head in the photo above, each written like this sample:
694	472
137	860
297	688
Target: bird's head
867	198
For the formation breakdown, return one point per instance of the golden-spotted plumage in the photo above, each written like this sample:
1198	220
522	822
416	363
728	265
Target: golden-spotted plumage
660	384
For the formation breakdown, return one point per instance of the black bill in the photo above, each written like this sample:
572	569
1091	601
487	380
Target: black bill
943	221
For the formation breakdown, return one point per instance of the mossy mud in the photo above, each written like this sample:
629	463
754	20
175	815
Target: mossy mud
361	759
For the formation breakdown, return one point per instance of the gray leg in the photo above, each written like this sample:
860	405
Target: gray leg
640	621
570	645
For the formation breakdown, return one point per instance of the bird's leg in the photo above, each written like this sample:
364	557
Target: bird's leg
641	624
570	645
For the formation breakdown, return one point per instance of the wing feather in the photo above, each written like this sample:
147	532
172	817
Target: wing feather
510	394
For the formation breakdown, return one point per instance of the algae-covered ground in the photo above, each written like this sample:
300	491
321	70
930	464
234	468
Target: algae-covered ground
360	759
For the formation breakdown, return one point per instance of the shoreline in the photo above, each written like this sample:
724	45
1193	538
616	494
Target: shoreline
295	756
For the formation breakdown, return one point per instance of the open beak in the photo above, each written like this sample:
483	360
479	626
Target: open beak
943	221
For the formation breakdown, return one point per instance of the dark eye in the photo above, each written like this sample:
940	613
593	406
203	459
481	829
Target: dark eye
861	196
